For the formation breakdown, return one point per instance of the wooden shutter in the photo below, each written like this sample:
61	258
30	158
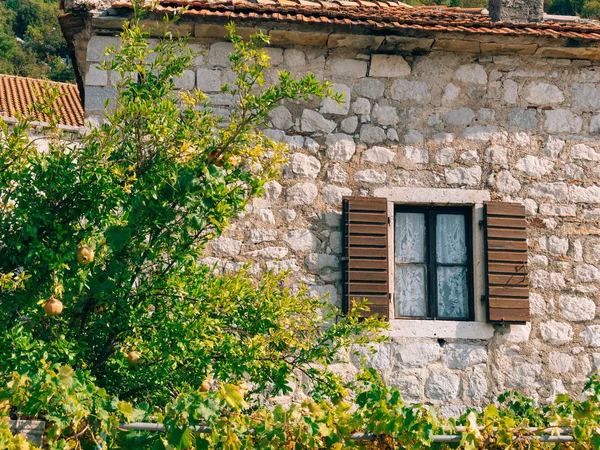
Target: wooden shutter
365	262
506	249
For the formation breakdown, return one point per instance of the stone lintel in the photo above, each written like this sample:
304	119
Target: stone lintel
368	42
107	23
157	28
427	196
336	37
292	37
406	44
456	45
440	329
217	31
495	48
591	53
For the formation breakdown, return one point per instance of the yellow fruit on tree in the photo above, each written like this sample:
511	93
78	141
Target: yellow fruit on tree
133	357
53	307
205	386
84	255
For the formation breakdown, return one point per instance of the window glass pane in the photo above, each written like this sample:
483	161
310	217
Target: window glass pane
410	290
451	240
452	292
410	237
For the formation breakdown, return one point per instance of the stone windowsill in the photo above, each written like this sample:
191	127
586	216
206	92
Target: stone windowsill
440	329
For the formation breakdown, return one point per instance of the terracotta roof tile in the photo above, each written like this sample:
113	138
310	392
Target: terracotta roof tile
18	95
379	14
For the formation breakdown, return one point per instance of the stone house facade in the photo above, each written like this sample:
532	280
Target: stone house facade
444	111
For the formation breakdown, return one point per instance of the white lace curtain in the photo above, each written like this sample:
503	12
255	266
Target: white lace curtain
411	265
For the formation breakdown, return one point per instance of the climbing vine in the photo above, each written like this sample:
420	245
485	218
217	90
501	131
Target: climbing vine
80	415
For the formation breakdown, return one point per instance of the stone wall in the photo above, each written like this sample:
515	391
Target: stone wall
521	129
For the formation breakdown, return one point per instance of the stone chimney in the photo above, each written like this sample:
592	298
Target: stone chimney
517	11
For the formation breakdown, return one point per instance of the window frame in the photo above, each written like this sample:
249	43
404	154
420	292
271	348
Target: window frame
431	212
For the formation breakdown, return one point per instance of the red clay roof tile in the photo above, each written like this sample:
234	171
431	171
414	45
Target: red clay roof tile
19	94
388	15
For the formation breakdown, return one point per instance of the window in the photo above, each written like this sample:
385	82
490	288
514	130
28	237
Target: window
433	260
428	253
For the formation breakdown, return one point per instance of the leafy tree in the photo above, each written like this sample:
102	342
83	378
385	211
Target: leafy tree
31	42
110	227
591	9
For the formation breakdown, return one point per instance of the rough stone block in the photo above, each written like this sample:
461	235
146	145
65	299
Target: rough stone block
330	106
304	166
96	96
535	167
333	194
461	356
556	333
208	80
410	91
313	121
378	155
219	54
300	240
416	155
187	81
98	44
351	68
538	93
340	147
442	386
301	194
470	176
371	176
389	66
576	309
96	76
371	134
370	88
418	354
471	74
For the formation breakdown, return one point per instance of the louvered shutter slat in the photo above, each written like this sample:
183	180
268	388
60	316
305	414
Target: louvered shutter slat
366	265
507	277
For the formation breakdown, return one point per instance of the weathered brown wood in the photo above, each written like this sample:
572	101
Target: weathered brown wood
366	265
504	222
368	241
517	279
510	268
507	233
499	244
368	229
508	291
367	288
505	209
368	252
508	315
357	217
366	275
507	279
359	205
509	303
516	257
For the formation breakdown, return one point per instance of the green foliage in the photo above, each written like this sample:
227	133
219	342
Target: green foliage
31	42
146	191
591	9
82	416
584	8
